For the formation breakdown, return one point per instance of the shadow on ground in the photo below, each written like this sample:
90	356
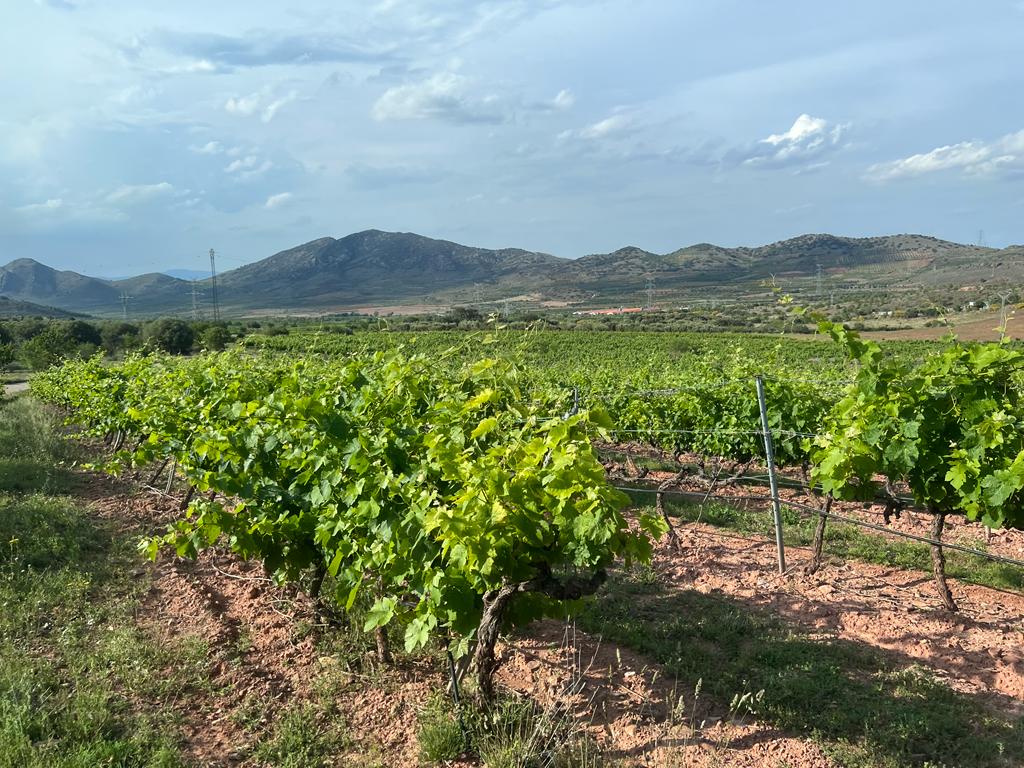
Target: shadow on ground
863	706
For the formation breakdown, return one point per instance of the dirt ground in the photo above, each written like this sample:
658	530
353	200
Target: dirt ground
983	328
626	702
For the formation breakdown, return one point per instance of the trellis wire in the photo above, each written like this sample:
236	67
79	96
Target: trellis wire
840	518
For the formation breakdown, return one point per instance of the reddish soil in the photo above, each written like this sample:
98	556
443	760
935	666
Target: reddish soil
260	656
957	530
974	328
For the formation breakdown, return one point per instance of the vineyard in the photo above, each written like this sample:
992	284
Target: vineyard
449	489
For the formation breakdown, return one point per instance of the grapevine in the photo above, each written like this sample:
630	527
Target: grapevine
459	509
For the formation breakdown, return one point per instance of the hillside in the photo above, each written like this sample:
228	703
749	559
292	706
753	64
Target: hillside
13	308
377	266
374	268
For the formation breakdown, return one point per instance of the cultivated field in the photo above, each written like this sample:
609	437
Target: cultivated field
357	511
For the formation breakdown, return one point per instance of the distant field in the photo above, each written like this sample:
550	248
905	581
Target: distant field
983	328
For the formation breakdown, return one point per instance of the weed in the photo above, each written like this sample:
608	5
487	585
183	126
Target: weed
440	734
303	737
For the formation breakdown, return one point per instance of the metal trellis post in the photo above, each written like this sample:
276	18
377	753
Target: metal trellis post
769	452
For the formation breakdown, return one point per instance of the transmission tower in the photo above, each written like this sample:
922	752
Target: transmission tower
195	301
124	305
818	276
213	286
650	292
981	239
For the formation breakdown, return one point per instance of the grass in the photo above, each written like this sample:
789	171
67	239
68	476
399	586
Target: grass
847	541
80	685
304	736
862	707
440	736
15	377
33	457
512	733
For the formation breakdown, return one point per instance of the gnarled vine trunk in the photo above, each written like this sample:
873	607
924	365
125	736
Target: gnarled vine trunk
496	604
819	535
939	560
659	502
380	635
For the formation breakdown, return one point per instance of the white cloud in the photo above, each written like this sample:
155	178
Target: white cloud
807	138
243	105
248	167
197	67
274	107
976	158
261	103
246	163
443	96
564	99
615	125
209	148
135	94
131	194
47	206
606	127
276	201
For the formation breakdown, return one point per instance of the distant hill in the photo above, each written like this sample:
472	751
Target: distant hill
10	308
375	268
187	274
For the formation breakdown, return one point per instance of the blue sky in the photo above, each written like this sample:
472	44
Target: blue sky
135	136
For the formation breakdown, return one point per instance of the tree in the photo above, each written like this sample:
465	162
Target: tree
171	335
464	314
6	348
215	338
119	336
81	332
48	348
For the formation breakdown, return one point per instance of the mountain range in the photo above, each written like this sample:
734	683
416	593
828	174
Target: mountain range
381	269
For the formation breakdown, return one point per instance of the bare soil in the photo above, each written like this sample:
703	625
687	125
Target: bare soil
264	654
983	328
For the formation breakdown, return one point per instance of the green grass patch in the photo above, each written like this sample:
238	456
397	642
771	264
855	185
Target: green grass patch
863	708
303	737
33	455
80	684
511	733
847	541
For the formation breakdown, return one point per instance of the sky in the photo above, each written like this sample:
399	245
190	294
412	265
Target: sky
136	136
